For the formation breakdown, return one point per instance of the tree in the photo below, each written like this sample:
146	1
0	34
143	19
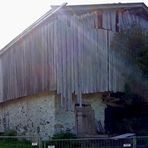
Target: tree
133	43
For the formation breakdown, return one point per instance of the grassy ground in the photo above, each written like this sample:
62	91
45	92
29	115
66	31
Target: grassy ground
15	144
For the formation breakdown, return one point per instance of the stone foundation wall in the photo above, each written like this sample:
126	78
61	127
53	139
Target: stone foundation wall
65	120
34	115
98	106
41	114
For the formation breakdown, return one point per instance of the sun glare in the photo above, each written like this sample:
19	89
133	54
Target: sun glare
17	15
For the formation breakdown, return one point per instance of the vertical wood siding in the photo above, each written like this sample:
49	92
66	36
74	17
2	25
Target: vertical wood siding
67	54
1	83
127	18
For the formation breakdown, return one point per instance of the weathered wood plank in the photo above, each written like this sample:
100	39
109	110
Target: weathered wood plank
68	55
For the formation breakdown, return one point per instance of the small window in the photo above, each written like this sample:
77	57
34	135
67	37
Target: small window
99	20
117	22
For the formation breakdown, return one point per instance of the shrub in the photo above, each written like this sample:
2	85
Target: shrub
64	135
132	43
10	133
57	140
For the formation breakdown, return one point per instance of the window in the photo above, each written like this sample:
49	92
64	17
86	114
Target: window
99	20
117	21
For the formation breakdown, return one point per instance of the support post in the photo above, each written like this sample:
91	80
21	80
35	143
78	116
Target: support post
79	97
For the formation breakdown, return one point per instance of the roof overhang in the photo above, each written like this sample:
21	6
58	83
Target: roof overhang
92	7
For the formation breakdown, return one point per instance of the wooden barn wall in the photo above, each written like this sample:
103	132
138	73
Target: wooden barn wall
1	83
128	18
67	54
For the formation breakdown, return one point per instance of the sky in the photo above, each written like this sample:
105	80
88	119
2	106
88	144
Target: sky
17	15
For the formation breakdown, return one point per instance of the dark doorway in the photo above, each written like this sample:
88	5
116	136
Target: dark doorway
85	120
131	116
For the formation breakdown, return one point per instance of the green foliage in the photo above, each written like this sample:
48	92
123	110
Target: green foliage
16	144
10	133
133	44
142	60
127	89
58	139
64	135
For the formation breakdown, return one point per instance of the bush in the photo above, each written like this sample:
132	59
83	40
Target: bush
132	43
58	142
64	135
10	133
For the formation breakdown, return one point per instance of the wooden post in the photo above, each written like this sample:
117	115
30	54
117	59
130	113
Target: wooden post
79	98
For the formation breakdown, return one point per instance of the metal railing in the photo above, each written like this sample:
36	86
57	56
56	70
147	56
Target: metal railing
133	142
35	142
141	141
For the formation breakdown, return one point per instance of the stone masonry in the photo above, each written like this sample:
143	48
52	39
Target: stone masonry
30	116
41	115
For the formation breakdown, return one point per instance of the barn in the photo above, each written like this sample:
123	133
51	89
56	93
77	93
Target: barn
53	75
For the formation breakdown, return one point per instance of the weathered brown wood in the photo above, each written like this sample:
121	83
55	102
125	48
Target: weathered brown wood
68	55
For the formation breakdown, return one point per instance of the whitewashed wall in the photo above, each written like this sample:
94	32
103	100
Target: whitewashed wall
66	120
41	115
30	116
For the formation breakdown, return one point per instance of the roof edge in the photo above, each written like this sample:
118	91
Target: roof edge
105	5
56	8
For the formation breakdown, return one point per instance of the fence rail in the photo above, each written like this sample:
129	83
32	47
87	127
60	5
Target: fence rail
132	142
35	142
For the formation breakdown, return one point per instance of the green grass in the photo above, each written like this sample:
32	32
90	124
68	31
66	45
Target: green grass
15	144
